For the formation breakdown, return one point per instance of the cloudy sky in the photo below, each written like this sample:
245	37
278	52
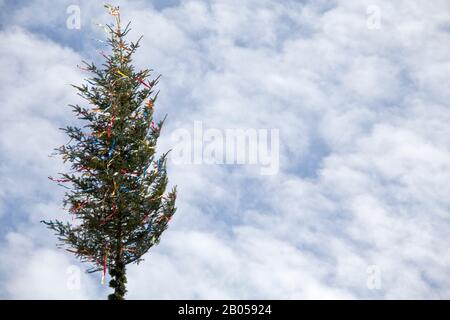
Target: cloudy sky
359	90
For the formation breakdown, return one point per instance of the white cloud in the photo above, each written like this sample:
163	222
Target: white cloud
364	149
36	273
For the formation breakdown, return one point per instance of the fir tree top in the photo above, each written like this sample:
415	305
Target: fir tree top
116	189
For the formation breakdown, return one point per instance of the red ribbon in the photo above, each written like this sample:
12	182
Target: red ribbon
124	171
146	216
85	168
104	268
114	208
110	126
142	81
59	180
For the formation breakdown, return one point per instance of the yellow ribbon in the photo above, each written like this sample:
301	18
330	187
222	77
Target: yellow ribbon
99	134
115	187
121	73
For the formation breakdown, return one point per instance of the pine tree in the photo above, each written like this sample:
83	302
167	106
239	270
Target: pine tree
119	207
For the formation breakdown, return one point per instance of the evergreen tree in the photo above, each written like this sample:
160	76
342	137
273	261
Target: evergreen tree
116	189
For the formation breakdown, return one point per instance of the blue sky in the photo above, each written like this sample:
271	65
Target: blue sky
363	115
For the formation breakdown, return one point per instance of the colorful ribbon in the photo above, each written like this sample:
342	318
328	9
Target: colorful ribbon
145	219
111	150
145	171
143	82
121	73
104	267
114	11
97	141
108	217
149	104
59	180
123	46
110	105
78	206
159	163
115	188
110	126
84	69
126	172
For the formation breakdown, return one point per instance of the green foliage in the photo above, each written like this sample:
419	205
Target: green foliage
117	195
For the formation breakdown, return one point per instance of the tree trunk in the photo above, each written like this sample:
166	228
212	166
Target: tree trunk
118	281
118	276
